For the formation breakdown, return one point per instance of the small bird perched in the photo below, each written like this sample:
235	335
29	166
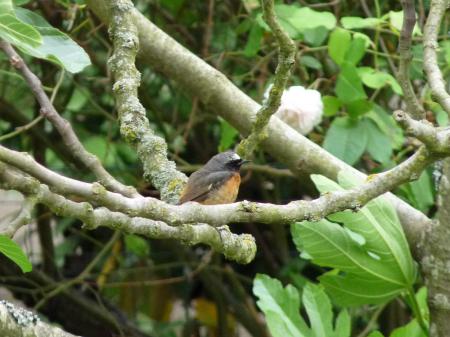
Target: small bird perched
215	183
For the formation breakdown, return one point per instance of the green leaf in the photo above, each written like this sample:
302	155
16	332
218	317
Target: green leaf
376	79
378	144
421	297
306	18
346	139
356	22
375	334
396	21
13	251
338	45
343	324
387	125
18	33
310	62
331	105
281	307
6	7
318	308
371	272
137	245
356	51
422	191
349	86
254	41
358	108
98	145
295	21
315	36
412	329
56	46
228	135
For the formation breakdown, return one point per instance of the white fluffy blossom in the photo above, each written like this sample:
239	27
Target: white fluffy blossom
301	108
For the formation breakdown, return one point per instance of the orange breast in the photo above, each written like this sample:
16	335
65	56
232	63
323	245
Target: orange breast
226	194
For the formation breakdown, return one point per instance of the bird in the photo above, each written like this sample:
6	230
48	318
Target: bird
217	182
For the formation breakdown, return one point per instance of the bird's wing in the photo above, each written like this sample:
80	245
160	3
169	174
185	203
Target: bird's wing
201	183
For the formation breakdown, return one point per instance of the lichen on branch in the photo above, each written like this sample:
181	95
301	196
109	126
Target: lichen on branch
286	59
240	248
430	60
134	125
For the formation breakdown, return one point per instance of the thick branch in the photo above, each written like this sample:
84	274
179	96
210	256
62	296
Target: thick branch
245	211
430	61
134	125
63	126
217	93
240	248
404	50
438	141
17	322
286	59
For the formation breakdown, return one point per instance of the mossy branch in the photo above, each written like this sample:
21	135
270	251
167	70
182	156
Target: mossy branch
240	248
286	59
134	125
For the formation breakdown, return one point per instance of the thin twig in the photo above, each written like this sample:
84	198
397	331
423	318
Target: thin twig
63	126
82	275
430	61
286	59
404	49
22	128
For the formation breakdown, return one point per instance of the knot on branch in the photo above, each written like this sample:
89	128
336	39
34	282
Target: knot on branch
437	141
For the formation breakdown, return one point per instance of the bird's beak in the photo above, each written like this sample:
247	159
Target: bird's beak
244	161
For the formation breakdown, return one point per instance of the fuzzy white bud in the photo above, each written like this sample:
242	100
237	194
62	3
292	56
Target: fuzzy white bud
300	108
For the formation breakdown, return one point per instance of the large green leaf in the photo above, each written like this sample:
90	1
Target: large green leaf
6	7
346	139
376	79
356	50
396	21
306	18
13	251
373	270
296	20
282	309
338	44
356	22
56	46
18	33
378	143
349	86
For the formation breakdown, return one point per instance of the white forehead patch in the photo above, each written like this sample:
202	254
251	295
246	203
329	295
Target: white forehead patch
235	156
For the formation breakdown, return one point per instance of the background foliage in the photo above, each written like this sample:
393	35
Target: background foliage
347	51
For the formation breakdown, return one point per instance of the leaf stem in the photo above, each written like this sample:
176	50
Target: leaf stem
414	305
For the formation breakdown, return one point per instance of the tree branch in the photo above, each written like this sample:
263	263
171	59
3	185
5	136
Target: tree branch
240	248
430	62
404	50
156	210
18	322
286	59
134	125
63	126
438	141
218	94
22	219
